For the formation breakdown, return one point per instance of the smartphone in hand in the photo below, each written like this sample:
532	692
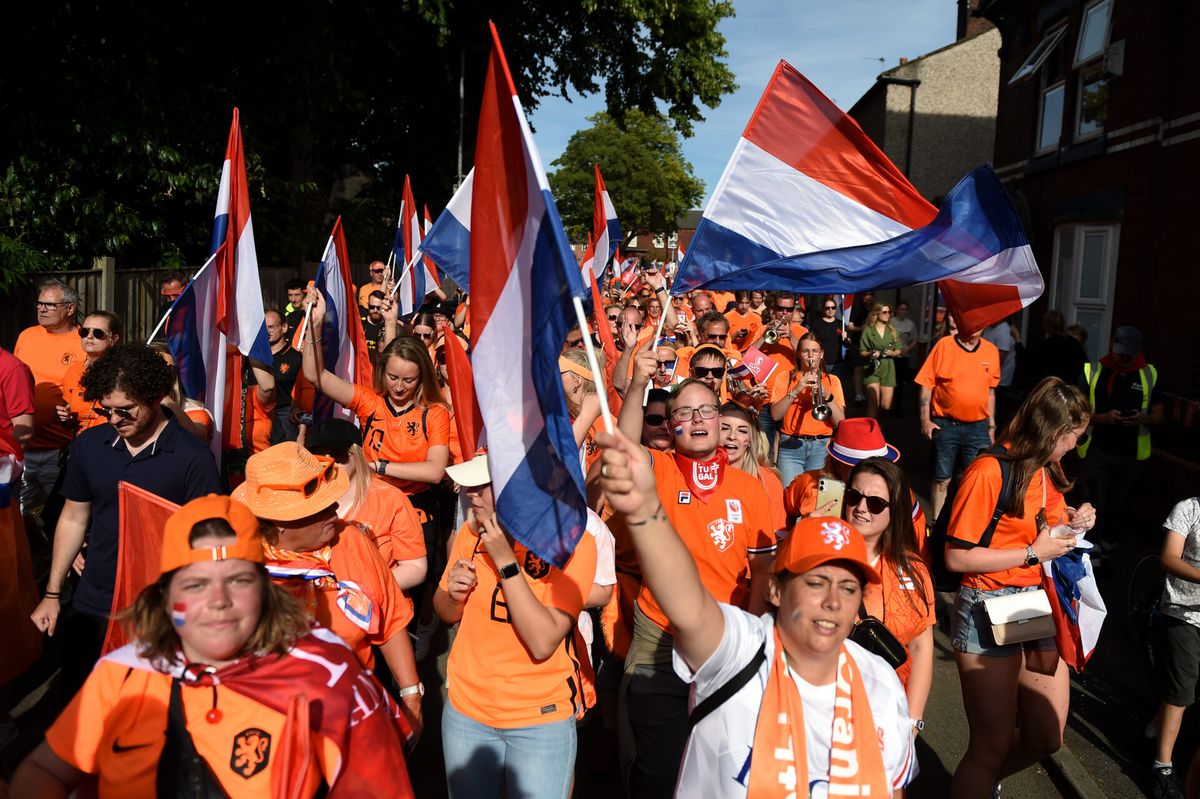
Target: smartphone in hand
829	490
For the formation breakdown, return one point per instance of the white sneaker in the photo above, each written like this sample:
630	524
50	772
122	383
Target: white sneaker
423	638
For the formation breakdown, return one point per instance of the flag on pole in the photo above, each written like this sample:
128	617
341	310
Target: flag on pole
523	281
449	242
808	204
412	284
432	278
343	342
459	379
606	231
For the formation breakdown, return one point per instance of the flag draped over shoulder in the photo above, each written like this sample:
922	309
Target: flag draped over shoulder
522	281
448	242
143	516
343	342
808	204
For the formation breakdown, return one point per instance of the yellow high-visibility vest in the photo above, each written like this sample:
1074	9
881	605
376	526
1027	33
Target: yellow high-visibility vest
1149	376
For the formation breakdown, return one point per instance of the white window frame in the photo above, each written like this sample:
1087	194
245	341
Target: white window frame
1037	144
1039	55
1068	300
1083	20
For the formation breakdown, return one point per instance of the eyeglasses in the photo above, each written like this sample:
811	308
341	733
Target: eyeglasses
876	505
717	337
575	342
654	419
50	306
308	487
688	414
707	371
94	332
122	413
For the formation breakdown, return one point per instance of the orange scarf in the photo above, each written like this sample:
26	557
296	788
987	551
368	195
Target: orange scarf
856	754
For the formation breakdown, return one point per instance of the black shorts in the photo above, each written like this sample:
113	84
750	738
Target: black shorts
1182	666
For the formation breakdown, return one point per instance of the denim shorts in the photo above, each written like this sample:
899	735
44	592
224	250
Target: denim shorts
971	632
957	442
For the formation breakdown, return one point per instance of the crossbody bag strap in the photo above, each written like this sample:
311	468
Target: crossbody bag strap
735	684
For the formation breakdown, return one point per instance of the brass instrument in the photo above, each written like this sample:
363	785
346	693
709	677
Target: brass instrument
821	412
771	336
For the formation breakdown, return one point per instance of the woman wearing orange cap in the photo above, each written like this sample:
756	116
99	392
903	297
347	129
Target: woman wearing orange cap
330	565
808	712
225	690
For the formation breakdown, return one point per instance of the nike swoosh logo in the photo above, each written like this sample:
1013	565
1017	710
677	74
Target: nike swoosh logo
118	749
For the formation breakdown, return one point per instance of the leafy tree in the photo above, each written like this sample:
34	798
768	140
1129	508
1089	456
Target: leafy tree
650	181
116	114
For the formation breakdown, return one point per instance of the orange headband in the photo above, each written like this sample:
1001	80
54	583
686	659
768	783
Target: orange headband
565	364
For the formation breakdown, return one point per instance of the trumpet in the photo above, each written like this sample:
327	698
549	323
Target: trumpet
771	336
820	411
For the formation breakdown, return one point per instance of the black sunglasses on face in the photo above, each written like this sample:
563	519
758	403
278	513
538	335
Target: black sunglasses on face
876	505
94	332
374	308
785	308
654	419
122	413
705	371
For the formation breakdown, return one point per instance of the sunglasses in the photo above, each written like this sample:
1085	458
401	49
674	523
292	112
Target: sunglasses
688	414
94	332
374	308
377	271
50	306
575	342
831	307
122	413
876	505
654	419
424	336
308	487
614	317
785	308
708	371
666	366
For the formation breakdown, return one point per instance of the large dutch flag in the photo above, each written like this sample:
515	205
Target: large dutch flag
523	279
448	242
223	302
606	231
807	203
343	342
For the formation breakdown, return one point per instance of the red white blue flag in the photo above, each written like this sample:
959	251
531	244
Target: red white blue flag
223	304
432	278
408	232
343	342
809	204
448	242
522	283
606	231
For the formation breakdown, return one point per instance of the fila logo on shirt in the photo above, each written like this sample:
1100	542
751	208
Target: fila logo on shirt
685	498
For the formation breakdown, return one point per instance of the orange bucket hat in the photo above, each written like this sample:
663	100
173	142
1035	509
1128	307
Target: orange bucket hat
287	482
178	552
818	540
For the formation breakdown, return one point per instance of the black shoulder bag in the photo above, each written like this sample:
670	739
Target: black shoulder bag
735	684
873	635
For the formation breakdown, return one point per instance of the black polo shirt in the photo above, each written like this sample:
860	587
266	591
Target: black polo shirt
177	467
287	369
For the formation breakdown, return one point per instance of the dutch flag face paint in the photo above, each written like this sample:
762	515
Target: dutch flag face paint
178	611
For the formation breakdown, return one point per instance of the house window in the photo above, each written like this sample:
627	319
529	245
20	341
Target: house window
1093	33
1050	119
1093	105
659	241
1038	57
1085	270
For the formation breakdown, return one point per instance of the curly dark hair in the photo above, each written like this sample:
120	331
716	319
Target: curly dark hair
133	368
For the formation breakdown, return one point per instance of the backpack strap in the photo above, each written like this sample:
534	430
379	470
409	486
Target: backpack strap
1005	465
735	684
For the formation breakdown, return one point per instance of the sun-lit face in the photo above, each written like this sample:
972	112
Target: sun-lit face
869	486
401	380
810	354
215	606
664	375
716	332
695	436
98	336
656	427
735	437
1067	442
52	309
815	610
709	370
743	305
310	533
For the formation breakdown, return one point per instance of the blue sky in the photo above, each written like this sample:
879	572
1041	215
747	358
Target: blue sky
837	44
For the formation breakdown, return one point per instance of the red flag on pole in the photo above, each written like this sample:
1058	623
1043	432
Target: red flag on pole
467	417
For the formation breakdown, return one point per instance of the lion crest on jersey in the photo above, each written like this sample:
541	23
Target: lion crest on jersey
721	532
835	534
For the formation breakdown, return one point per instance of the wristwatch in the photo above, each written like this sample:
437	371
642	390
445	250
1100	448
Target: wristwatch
419	688
1031	558
381	466
918	724
509	570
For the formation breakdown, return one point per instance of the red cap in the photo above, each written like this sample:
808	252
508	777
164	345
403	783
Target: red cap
816	541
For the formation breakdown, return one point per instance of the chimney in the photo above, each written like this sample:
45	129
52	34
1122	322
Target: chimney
968	24
903	60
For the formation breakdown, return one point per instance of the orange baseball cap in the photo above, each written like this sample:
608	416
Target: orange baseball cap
818	540
178	552
286	482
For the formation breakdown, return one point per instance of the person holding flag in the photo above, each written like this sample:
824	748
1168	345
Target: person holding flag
226	689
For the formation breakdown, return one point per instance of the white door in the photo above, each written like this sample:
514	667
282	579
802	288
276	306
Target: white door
1085	271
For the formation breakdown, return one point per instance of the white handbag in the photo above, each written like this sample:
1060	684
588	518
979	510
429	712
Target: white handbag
1021	617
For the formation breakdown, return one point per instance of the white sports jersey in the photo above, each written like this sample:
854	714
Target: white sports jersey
716	763
606	570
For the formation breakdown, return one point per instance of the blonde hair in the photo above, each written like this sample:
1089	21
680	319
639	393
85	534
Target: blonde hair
588	386
413	350
361	480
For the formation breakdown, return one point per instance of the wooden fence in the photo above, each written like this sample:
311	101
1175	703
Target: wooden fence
133	294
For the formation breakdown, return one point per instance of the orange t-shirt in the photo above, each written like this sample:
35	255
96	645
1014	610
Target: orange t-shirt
972	511
959	379
203	418
751	323
722	300
355	558
782	350
115	727
400	437
491	675
898	603
365	292
258	421
774	488
388	517
798	420
720	533
48	356
85	412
